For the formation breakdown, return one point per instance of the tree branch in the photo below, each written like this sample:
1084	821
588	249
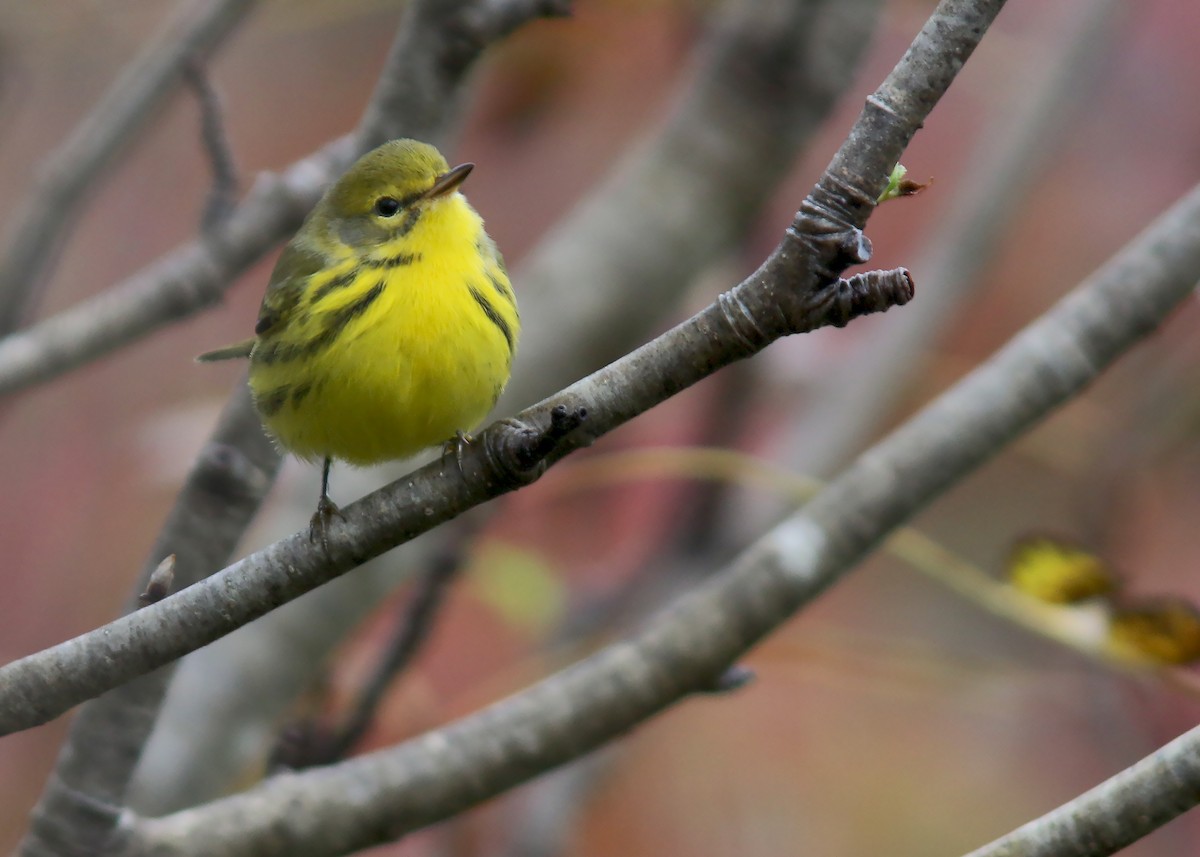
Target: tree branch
770	304
67	174
766	77
385	794
1116	813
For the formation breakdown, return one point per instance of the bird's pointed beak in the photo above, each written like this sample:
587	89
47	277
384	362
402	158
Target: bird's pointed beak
448	182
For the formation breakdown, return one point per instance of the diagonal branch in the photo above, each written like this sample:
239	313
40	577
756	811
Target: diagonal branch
1116	813
72	169
385	794
771	303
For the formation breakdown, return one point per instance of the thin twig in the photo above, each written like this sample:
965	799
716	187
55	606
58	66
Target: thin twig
412	632
561	718
222	196
66	176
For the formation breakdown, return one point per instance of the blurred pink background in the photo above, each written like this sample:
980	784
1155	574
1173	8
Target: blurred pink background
891	717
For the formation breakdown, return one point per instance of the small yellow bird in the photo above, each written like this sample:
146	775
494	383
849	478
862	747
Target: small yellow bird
389	324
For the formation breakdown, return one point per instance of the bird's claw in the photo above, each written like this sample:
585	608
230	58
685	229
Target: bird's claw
457	445
318	525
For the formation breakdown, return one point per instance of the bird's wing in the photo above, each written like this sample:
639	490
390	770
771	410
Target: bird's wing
285	292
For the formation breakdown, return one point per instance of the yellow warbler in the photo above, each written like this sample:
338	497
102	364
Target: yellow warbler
389	324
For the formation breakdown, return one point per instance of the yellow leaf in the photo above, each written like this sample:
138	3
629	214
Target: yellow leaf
519	586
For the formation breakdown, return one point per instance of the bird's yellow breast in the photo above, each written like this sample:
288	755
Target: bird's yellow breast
394	348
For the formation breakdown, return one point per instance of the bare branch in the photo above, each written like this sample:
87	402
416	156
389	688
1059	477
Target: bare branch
413	99
332	810
39	227
1116	813
771	303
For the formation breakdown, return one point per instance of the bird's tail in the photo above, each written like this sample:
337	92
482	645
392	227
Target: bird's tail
229	352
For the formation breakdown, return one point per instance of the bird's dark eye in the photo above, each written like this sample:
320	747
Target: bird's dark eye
386	206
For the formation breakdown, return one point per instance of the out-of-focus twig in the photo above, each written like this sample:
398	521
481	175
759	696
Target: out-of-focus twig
64	178
412	632
223	193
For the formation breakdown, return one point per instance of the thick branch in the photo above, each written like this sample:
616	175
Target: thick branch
385	794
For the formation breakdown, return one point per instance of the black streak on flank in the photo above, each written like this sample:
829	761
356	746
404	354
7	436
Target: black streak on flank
333	285
299	393
284	352
271	402
503	290
493	316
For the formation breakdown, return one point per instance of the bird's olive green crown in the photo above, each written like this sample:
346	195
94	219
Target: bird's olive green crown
401	170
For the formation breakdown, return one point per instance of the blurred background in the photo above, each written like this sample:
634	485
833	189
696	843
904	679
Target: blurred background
892	716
